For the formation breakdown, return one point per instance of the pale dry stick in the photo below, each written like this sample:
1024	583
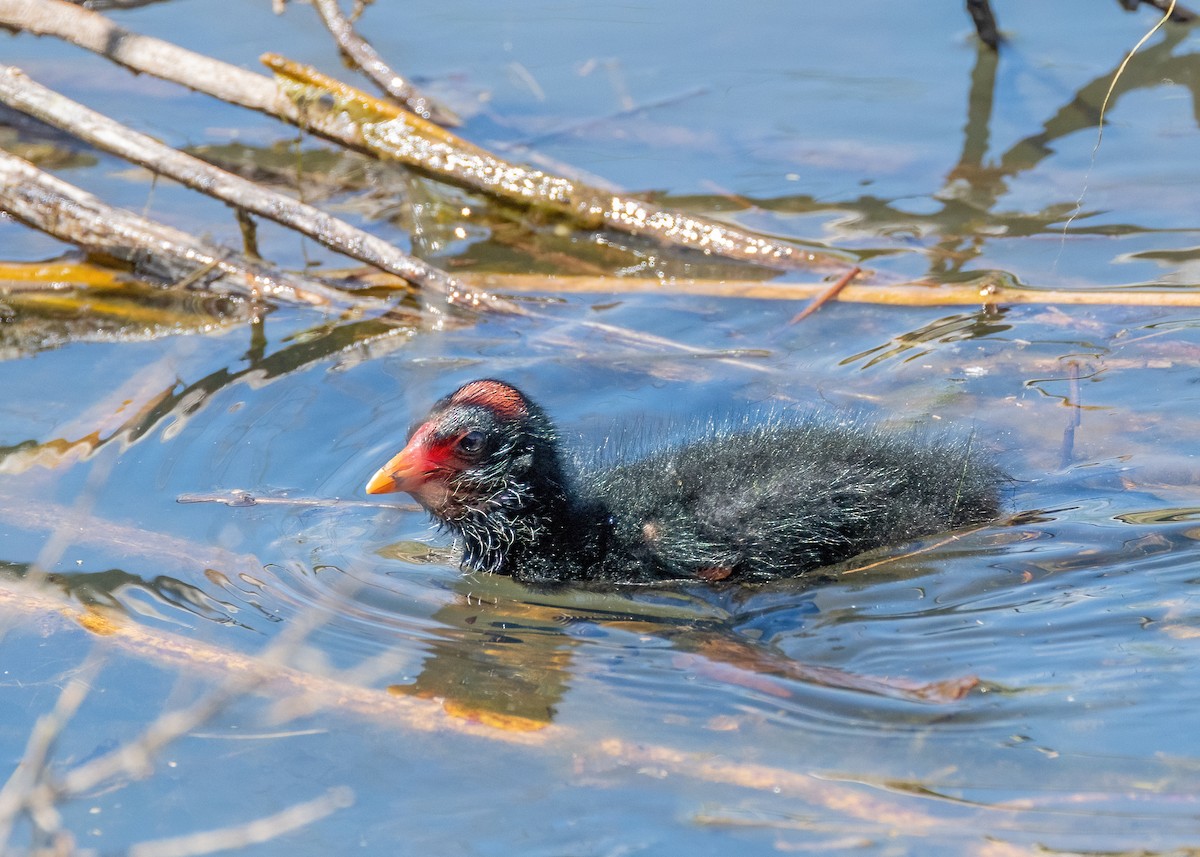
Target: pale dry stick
254	832
153	56
19	91
366	673
743	358
24	784
900	557
135	758
200	559
116	4
240	497
38	792
27	96
269	679
715	768
146	54
579	126
892	294
359	51
75	216
1175	12
400	135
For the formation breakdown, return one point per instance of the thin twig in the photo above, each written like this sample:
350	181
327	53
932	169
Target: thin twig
578	126
901	557
889	294
1174	11
238	497
269	677
1112	87
136	758
35	790
254	832
827	295
356	49
742	358
163	550
715	768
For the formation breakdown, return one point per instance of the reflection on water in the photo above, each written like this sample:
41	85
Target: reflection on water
917	343
1162	516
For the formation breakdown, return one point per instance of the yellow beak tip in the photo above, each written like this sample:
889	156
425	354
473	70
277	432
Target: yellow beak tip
381	483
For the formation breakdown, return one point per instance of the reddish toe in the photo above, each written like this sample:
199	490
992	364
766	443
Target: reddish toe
775	499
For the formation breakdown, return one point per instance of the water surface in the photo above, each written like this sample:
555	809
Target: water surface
470	715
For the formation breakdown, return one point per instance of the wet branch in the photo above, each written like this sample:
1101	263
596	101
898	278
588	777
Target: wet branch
21	93
388	132
75	216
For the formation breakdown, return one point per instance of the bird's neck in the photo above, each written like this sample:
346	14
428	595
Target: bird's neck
529	527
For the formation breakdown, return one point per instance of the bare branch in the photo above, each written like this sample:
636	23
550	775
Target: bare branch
421	715
389	132
271	677
72	215
138	53
35	791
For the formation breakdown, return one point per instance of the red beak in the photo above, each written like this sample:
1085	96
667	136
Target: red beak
407	471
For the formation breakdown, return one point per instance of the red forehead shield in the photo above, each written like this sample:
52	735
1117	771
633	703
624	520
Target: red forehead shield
499	398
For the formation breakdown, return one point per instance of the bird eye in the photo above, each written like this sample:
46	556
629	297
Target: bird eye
470	445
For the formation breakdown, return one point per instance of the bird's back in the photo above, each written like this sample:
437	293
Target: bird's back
782	498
